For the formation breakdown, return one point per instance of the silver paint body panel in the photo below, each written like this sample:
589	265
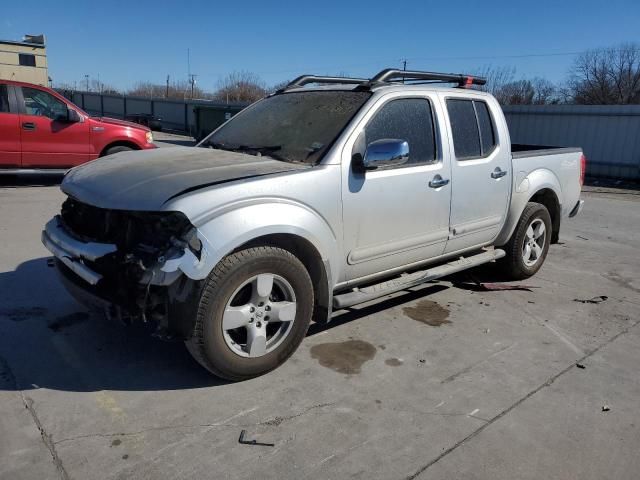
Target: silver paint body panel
363	225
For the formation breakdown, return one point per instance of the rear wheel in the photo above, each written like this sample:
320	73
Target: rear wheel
253	313
529	244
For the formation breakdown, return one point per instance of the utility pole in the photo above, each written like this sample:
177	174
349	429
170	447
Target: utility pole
404	66
190	76
192	81
166	94
86	78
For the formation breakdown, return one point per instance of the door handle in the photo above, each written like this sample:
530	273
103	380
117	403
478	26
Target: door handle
498	173
438	182
29	126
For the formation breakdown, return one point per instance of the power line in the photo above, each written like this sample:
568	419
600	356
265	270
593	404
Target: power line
414	59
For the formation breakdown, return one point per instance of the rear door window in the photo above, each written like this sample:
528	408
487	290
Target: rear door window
472	128
407	119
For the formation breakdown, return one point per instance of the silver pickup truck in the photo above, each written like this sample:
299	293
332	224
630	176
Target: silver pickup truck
326	194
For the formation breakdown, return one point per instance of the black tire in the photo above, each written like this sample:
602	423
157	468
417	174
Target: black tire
117	149
207	343
513	265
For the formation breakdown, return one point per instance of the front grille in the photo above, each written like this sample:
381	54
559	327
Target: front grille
127	229
86	221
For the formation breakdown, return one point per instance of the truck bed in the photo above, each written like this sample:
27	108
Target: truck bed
520	150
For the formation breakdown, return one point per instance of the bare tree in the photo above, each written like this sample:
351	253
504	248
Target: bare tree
537	91
279	86
544	91
519	92
176	90
606	76
497	77
502	84
241	86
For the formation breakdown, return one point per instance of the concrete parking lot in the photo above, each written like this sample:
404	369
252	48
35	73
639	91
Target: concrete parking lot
444	381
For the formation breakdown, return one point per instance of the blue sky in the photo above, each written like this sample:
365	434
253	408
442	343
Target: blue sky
124	42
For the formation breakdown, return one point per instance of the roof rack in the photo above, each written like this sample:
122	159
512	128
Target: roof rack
389	75
461	79
303	80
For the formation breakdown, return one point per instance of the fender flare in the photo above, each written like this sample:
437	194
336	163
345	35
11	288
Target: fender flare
526	186
223	233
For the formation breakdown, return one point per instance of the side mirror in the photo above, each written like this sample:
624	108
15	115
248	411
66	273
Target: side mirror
73	116
386	152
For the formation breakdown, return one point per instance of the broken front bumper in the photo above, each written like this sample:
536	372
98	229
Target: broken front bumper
72	252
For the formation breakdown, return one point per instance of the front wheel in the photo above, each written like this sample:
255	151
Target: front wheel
253	313
529	244
117	149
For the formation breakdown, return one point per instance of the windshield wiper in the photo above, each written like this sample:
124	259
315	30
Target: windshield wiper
219	146
261	149
266	150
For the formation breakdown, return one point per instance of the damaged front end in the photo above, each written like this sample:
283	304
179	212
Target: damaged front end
127	263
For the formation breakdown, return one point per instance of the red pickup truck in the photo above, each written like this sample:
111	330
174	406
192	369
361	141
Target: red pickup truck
42	130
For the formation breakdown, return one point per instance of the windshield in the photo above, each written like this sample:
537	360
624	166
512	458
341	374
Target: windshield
294	127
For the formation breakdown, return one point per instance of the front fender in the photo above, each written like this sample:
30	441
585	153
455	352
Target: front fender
525	187
227	230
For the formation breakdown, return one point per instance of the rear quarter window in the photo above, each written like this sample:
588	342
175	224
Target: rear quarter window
487	133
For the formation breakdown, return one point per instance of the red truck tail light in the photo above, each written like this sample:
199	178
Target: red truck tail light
583	168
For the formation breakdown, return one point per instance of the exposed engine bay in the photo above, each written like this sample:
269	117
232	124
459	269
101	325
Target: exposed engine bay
127	260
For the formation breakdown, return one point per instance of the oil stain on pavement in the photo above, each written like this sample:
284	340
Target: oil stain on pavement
344	357
393	362
428	312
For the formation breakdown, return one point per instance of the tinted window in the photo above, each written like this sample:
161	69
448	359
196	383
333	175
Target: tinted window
27	60
4	99
464	127
407	119
41	103
487	135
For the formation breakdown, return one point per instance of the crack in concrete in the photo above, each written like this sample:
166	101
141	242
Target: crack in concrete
28	404
439	414
546	384
467	369
276	421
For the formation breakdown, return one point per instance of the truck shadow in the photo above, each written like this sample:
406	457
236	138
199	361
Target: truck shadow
48	340
17	181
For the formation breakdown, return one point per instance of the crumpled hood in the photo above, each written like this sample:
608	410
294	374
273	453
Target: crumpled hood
121	123
146	179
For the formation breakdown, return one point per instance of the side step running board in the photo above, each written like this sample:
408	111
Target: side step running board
372	292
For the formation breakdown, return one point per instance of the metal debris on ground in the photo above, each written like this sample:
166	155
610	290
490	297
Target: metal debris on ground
493	287
243	441
583	238
598	299
606	408
580	365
